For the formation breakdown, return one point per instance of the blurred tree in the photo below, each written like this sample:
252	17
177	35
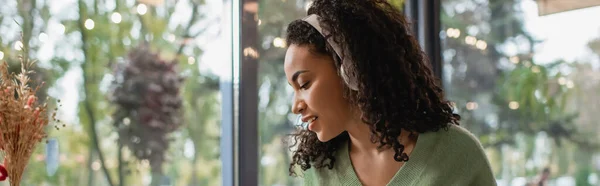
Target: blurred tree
153	24
148	97
96	35
585	99
500	91
93	71
274	102
25	21
202	117
594	45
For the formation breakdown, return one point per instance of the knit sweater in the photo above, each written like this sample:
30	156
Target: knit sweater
446	157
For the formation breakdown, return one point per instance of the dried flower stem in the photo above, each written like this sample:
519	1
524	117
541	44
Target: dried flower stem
22	119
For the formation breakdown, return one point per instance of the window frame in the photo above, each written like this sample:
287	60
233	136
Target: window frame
425	18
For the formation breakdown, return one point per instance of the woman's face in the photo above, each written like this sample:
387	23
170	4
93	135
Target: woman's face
318	92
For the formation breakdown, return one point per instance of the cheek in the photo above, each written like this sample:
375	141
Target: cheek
327	100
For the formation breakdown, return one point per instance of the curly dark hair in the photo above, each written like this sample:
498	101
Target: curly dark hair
396	86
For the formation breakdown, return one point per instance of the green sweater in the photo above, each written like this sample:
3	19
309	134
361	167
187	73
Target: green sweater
446	157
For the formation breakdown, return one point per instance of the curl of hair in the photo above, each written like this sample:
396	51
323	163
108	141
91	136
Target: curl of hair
397	88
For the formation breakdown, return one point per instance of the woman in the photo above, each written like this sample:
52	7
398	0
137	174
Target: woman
375	113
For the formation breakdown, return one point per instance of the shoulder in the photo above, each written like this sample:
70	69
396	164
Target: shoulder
459	138
457	143
460	151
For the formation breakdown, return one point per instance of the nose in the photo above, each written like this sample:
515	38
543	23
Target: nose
299	106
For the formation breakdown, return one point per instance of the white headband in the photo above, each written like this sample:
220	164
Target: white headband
350	80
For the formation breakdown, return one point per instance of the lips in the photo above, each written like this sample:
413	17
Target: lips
309	119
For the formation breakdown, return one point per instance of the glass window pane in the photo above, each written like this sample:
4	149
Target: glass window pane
145	75
275	117
275	95
525	77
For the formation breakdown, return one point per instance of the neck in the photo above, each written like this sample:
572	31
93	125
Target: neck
360	141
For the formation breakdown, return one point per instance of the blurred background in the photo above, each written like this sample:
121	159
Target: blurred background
145	86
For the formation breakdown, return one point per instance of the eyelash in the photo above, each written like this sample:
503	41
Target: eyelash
304	85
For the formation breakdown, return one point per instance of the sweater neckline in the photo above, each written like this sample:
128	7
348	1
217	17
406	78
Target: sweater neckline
412	167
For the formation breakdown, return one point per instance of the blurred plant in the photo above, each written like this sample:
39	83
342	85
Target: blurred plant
506	97
23	121
397	3
537	100
149	106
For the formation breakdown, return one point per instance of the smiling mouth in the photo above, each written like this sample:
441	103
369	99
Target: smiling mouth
312	119
310	123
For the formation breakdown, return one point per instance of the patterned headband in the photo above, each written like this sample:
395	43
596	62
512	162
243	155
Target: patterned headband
349	79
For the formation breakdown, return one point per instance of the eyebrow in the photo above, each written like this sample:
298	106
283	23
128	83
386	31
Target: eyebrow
295	76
